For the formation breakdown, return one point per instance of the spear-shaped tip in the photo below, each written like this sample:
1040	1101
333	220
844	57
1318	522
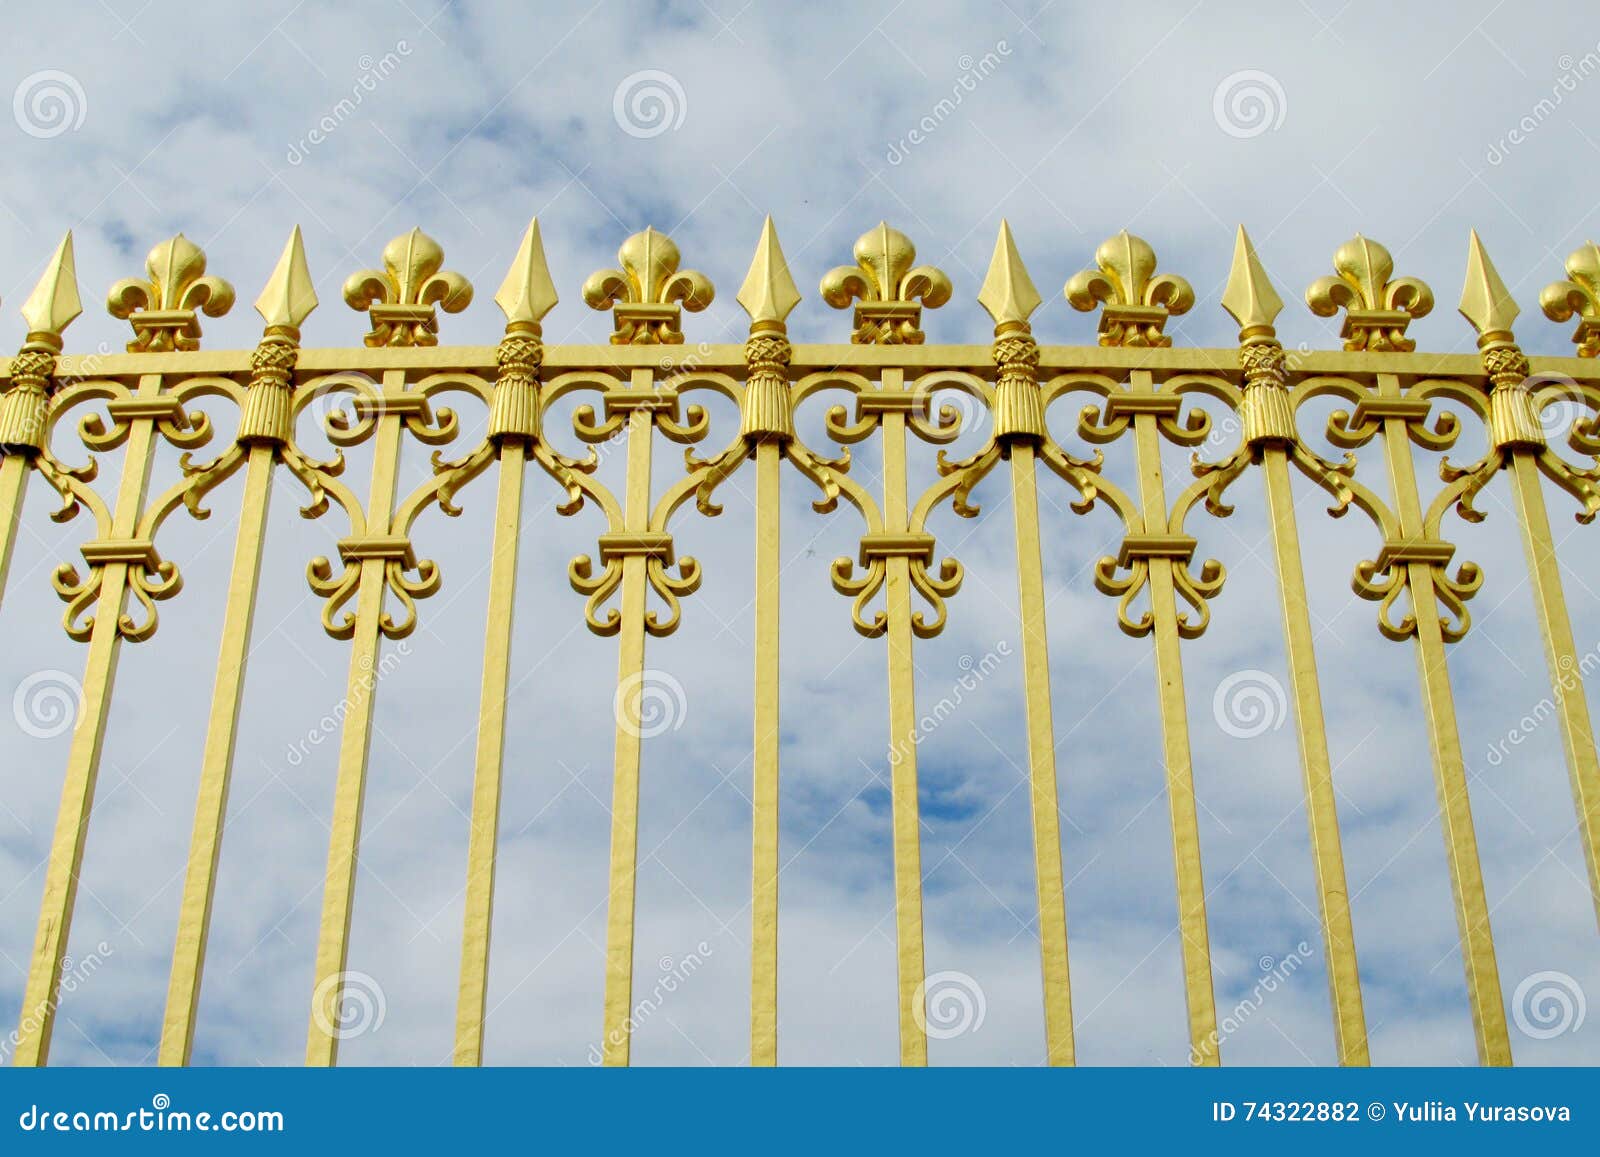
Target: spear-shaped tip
768	292
527	293
1249	297
1485	300
1008	292
289	296
54	302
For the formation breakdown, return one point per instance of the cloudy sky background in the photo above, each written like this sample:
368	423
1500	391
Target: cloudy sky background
1390	120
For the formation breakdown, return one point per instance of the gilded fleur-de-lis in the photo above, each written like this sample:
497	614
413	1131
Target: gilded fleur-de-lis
163	307
1580	295
400	297
1377	309
648	295
888	285
1137	299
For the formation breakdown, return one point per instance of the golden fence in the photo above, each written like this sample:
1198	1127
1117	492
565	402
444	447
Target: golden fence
1134	381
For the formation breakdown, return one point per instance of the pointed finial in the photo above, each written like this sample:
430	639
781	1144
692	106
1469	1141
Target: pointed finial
1249	297
54	302
289	296
527	293
1008	293
768	292
1485	300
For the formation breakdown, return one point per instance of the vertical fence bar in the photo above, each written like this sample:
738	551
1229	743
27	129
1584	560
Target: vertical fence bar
1269	434
1199	997
1059	1044
1322	814
525	296
355	741
88	738
764	784
216	766
265	425
1010	297
907	839
617	1042
474	986
1561	655
767	427
1444	741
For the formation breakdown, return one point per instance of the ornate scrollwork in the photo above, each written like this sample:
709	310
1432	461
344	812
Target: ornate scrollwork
1137	300
162	307
400	297
890	288
648	294
1377	309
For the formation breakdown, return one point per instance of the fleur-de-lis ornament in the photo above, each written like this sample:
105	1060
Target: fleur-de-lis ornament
888	286
400	297
1378	309
648	295
1580	295
1137	299
163	308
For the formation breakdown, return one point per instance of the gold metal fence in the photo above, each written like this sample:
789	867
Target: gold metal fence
1141	391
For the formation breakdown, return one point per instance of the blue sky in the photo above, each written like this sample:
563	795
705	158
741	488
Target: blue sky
1072	122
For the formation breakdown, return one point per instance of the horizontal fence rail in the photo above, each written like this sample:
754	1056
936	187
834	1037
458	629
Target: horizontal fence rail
1135	393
